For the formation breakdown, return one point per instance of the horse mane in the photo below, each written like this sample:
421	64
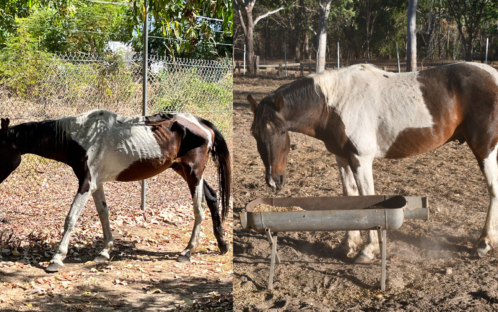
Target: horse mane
298	95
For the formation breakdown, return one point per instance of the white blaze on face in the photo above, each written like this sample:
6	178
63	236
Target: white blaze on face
374	105
195	121
112	142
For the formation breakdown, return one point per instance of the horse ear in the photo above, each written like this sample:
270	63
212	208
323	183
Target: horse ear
5	125
253	102
279	102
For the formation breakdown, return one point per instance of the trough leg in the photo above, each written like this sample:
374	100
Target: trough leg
272	261
352	240
270	240
383	242
101	205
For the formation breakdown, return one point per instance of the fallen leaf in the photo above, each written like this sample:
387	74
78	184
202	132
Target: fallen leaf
154	290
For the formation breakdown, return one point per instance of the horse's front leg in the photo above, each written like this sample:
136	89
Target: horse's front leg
352	240
79	203
101	205
489	235
363	175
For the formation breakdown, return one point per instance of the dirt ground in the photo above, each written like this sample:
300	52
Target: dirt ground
429	268
143	274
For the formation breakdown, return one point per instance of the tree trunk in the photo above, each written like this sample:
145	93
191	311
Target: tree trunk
267	41
429	33
92	45
448	44
250	42
411	53
367	20
322	34
306	46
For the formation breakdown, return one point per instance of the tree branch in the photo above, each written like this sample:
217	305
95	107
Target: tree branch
237	8
272	12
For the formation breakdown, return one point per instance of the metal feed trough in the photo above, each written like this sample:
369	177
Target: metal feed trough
345	213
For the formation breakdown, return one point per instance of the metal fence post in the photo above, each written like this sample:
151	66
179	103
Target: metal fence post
244	59
487	41
338	66
285	56
144	97
397	57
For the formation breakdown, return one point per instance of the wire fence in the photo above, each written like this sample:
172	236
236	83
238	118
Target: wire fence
38	86
280	69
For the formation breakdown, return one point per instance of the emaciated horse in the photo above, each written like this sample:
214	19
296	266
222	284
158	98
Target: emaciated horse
101	146
361	113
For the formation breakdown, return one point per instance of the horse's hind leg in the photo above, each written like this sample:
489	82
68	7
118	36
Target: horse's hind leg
212	202
489	236
352	239
100	204
195	182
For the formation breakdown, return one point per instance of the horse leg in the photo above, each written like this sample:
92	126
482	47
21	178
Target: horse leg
79	203
212	202
489	235
100	204
352	239
195	182
362	171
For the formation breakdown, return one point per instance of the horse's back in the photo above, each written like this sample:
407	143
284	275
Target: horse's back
399	115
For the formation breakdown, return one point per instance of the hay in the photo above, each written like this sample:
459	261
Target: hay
270	208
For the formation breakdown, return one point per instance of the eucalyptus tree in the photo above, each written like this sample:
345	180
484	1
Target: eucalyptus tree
468	14
244	10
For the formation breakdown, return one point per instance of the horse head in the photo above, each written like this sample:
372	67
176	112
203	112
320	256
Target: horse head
269	128
10	156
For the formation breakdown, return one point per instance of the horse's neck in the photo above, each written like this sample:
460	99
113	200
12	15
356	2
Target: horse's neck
45	140
304	119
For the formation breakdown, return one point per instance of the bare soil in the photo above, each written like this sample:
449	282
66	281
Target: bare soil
143	274
429	268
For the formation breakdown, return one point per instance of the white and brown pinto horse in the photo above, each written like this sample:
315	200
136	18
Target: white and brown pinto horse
361	113
101	146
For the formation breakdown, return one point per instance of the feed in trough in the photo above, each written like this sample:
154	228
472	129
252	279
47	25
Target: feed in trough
270	208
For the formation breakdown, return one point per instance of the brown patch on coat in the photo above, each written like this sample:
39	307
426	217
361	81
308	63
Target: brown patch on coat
177	138
462	102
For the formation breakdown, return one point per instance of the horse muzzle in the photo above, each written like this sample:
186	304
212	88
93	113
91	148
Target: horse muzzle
276	183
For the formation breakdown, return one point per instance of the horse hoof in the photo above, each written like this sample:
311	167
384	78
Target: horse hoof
184	258
53	267
224	248
340	252
100	259
362	257
481	249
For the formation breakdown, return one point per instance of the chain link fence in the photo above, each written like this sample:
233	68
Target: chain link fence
39	86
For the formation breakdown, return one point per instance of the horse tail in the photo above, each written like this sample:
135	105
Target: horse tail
221	157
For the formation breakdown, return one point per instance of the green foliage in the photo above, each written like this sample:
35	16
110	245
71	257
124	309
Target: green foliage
189	90
22	66
57	22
